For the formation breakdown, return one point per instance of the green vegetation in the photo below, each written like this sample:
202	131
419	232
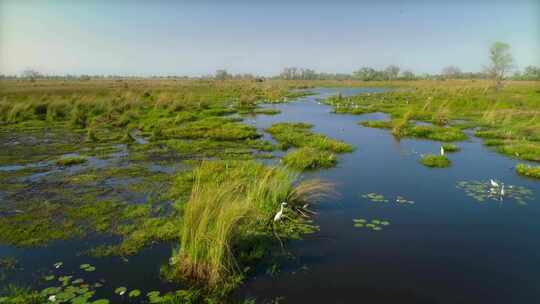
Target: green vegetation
373	225
482	191
230	204
508	118
450	148
375	197
530	171
70	161
314	150
435	161
309	158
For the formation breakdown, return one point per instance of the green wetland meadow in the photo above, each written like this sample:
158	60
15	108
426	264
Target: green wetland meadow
209	191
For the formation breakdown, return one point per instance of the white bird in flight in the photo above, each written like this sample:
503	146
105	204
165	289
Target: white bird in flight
278	215
493	183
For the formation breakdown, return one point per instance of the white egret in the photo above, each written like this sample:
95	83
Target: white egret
493	183
442	151
502	190
278	215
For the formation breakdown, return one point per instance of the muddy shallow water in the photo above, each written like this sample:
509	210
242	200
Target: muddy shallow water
445	247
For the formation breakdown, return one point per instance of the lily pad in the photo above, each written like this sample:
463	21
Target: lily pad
134	293
120	290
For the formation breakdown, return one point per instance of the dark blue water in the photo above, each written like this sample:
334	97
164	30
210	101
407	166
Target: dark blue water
445	248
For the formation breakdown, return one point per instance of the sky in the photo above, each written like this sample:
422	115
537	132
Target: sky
260	37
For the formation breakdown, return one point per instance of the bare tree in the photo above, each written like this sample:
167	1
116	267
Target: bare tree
451	71
501	63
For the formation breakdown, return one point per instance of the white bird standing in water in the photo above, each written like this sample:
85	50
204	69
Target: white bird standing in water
502	190
493	183
442	151
278	215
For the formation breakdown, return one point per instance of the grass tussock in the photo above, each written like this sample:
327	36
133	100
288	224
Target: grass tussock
435	161
309	158
229	202
529	171
450	148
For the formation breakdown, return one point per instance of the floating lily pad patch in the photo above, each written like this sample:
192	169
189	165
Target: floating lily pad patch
87	267
402	200
375	197
120	291
374	225
482	191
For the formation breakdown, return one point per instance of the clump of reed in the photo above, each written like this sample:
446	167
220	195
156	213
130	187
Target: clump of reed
228	201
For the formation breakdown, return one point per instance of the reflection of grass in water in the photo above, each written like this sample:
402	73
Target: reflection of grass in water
482	191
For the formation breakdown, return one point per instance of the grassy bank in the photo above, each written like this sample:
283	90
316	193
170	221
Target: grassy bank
506	119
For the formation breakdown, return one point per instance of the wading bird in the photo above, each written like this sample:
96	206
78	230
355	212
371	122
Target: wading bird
493	183
278	215
502	190
442	151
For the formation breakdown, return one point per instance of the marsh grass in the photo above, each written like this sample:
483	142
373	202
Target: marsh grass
71	161
228	202
309	158
300	135
435	161
450	148
529	171
508	118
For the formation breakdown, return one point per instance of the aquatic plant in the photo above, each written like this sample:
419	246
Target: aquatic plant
374	225
402	200
482	191
527	170
435	161
227	201
300	135
450	148
375	197
309	158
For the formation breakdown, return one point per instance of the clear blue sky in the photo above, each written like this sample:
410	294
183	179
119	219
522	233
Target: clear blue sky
262	37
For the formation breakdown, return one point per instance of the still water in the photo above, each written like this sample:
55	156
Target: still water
446	247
